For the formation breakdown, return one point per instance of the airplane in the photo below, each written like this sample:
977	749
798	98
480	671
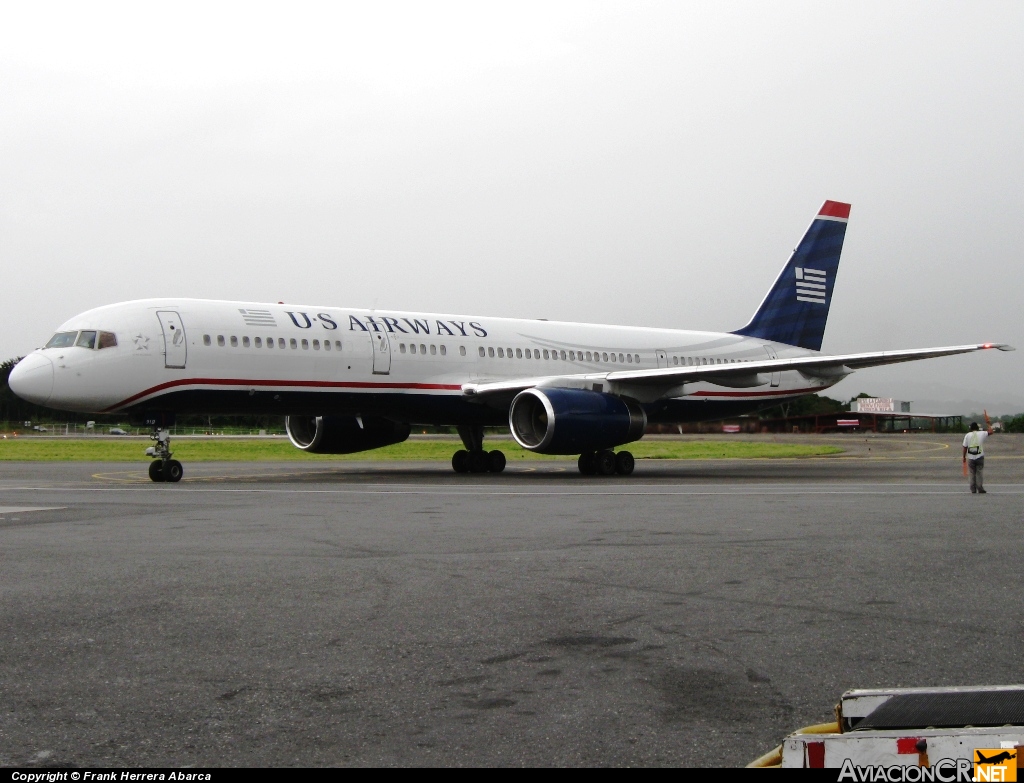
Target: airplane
996	759
354	380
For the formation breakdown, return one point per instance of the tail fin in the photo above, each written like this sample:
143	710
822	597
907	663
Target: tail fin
796	308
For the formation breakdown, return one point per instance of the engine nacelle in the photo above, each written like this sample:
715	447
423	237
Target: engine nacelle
343	434
572	421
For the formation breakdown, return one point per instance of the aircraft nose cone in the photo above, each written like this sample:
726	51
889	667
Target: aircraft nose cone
32	379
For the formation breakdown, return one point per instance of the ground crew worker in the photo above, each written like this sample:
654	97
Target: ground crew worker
974	456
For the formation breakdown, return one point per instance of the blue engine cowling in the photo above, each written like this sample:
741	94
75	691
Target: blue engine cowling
343	434
572	421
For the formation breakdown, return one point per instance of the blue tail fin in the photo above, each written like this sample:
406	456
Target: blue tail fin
795	310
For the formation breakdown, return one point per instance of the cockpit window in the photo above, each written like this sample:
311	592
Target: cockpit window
86	340
62	340
108	340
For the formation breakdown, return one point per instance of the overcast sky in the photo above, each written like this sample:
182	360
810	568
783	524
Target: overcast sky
635	163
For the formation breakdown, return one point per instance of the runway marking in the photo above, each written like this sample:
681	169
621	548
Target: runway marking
590	490
23	509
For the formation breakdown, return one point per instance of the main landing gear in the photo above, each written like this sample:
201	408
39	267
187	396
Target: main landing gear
606	463
473	459
163	468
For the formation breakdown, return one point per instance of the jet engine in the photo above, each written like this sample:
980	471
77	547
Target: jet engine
573	421
343	434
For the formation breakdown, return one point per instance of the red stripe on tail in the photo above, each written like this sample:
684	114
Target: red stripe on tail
836	209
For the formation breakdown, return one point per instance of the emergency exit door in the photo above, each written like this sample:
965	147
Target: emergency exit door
175	344
381	353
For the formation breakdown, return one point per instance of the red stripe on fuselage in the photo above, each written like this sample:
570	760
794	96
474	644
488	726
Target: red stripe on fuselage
778	393
282	384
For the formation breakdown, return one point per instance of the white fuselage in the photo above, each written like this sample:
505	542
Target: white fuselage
200	356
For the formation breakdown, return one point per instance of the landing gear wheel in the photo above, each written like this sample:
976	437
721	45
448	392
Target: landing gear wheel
588	463
606	462
460	461
478	462
495	461
624	463
173	471
156	470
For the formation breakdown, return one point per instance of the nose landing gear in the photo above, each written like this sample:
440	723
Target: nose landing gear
163	468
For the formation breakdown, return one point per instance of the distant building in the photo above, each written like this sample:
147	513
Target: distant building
879	405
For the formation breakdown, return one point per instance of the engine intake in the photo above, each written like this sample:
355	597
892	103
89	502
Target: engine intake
343	434
572	421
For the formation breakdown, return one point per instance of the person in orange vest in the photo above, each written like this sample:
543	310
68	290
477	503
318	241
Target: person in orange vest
974	456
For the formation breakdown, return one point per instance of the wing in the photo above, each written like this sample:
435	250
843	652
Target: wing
739	374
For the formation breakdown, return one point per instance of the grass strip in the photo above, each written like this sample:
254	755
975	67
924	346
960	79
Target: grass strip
51	449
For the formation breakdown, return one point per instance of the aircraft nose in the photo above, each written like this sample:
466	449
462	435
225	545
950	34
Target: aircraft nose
32	379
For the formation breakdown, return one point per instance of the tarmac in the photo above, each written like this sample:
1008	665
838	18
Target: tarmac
383	613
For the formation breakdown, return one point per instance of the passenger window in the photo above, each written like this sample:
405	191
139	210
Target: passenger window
433	350
546	355
444	351
327	345
280	343
305	344
675	361
482	351
423	349
316	345
462	350
629	358
86	340
293	343
257	342
528	355
636	358
401	347
501	353
412	348
620	358
572	356
207	340
613	357
234	341
337	344
220	340
588	356
519	353
604	357
245	342
490	352
270	342
563	356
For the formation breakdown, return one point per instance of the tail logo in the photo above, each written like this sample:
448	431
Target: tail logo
810	285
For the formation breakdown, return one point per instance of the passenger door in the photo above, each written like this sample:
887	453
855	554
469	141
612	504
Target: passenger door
381	353
662	358
175	344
